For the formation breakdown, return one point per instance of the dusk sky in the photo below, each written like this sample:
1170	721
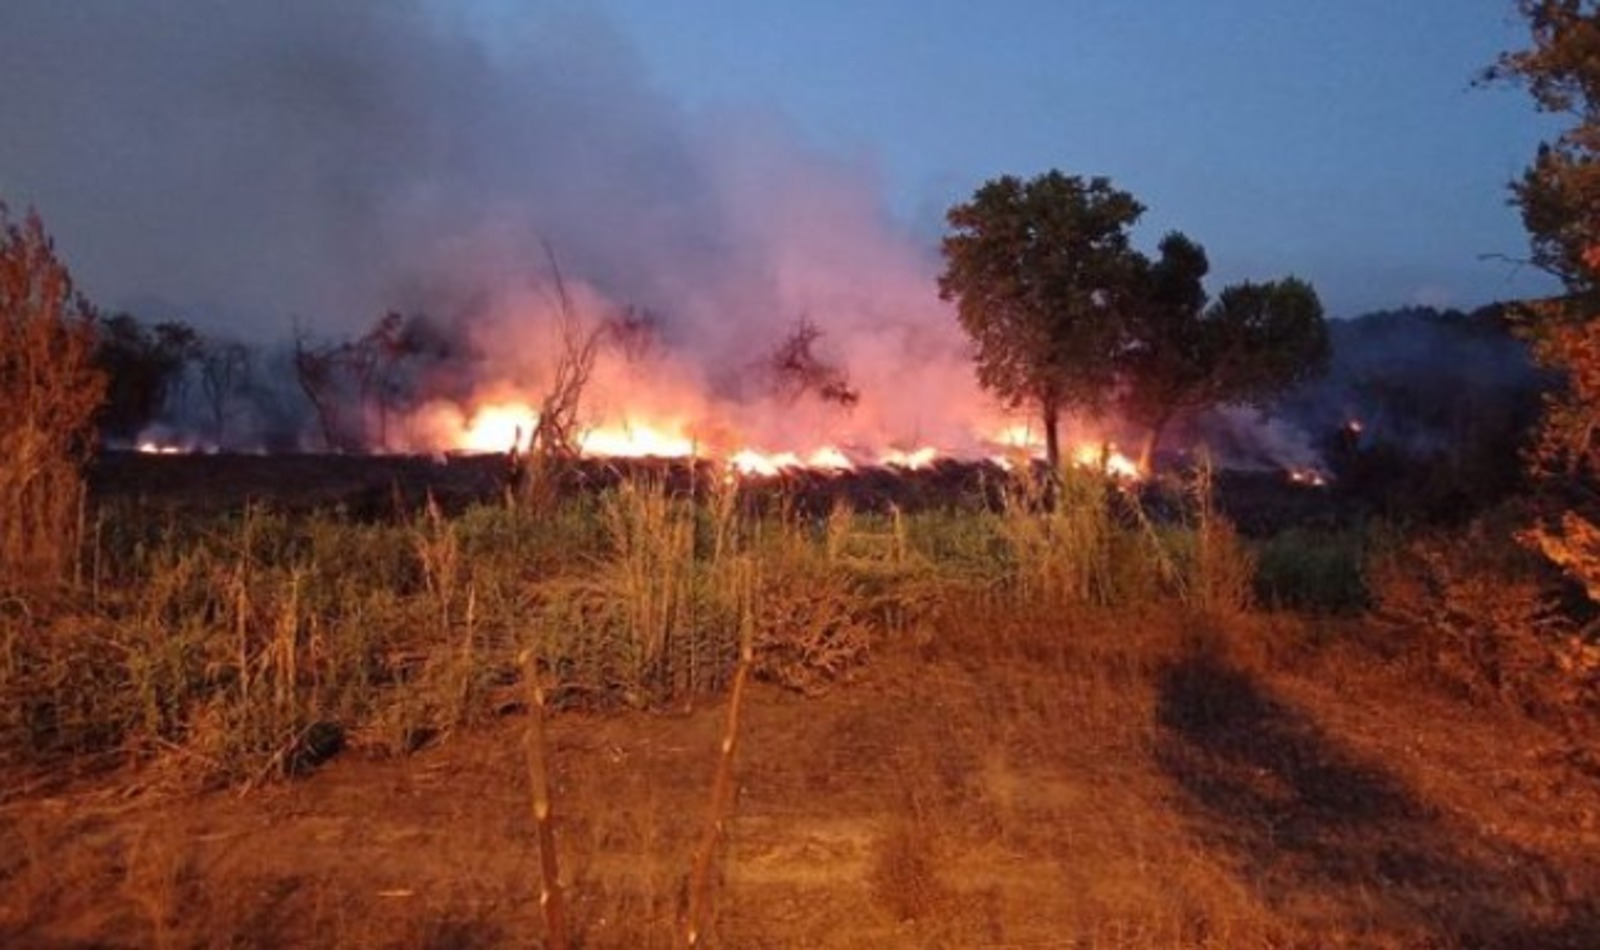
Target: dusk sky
1343	141
253	162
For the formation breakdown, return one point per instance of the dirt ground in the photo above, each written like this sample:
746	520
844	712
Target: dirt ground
1049	782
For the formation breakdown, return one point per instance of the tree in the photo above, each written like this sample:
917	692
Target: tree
144	367
354	386
1253	342
1559	195
224	371
49	392
1043	277
797	369
1166	366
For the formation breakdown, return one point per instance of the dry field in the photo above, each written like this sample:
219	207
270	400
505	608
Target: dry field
1010	764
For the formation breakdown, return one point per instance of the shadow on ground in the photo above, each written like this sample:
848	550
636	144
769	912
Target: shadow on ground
1338	842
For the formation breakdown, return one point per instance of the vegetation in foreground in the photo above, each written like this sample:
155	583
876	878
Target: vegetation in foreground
1023	758
1064	717
255	644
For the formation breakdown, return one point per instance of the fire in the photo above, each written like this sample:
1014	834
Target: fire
1090	454
496	427
829	457
156	448
751	462
914	459
636	441
1107	459
755	462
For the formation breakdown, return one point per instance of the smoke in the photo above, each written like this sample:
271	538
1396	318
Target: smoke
242	166
250	168
326	160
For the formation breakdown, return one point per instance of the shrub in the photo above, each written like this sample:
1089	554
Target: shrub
1484	612
49	392
1320	571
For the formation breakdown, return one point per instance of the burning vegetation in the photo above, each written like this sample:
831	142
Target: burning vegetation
884	564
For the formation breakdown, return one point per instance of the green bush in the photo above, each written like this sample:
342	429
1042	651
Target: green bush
1320	571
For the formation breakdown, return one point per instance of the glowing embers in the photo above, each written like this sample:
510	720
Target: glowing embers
156	448
911	459
1307	477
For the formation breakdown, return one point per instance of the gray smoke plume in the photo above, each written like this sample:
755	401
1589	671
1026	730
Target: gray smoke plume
244	165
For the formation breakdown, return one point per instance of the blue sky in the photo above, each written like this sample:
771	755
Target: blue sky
1340	141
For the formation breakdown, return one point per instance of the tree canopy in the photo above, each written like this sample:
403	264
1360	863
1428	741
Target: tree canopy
144	367
1559	194
1185	352
1042	274
1066	314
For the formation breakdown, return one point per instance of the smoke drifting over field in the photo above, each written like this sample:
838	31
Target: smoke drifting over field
249	167
243	165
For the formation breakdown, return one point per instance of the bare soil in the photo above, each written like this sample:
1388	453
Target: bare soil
1045	782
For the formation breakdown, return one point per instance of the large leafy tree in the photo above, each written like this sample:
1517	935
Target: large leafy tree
1559	195
1166	366
1183	354
1043	277
144	367
1066	314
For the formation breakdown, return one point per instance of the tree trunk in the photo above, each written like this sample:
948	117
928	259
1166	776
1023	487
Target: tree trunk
1152	438
1052	434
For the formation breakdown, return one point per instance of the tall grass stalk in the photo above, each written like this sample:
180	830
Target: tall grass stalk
1059	531
551	904
699	885
1224	570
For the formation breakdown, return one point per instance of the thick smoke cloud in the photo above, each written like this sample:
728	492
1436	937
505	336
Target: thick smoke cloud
327	159
244	165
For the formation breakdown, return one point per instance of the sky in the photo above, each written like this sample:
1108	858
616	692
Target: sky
1343	141
256	164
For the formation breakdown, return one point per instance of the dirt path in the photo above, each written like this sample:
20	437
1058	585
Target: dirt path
1107	785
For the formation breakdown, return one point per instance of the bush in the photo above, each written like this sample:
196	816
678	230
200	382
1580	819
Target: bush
49	392
1486	613
1319	571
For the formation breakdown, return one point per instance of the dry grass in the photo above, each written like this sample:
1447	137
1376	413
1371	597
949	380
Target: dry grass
1109	748
49	393
1108	778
